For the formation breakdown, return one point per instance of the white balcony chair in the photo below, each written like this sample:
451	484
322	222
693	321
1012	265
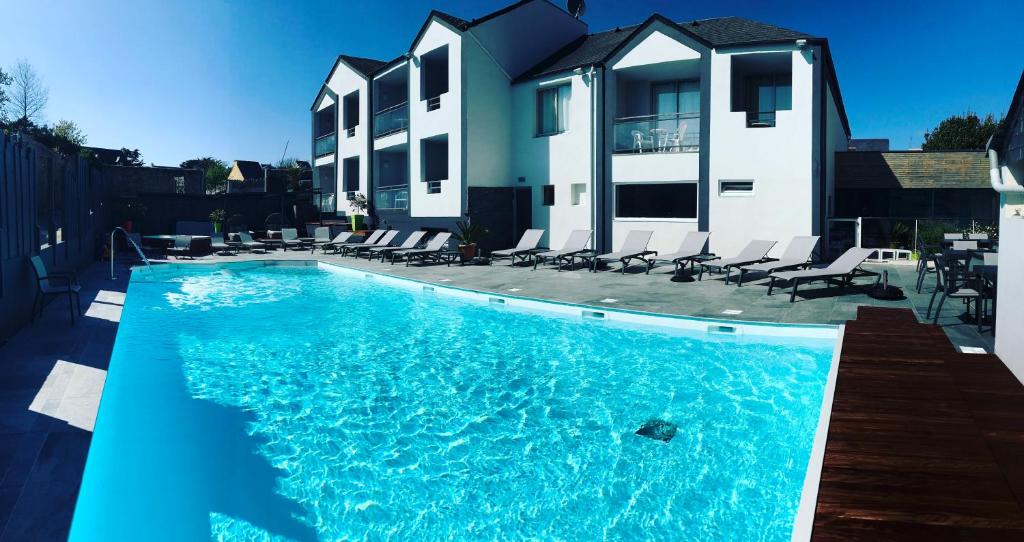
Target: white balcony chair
639	139
675	141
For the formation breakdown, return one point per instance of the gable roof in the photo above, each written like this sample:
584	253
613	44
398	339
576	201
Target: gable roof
733	31
1015	111
365	66
586	50
245	169
912	169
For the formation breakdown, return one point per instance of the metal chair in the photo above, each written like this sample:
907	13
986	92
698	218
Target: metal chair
54	283
954	283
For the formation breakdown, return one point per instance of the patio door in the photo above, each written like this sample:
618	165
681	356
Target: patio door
672	103
522	212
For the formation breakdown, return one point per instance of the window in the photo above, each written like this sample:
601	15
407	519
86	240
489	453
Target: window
325	181
324	120
761	86
350	109
434	76
434	153
553	110
548	195
578	189
434	187
661	200
735	188
179	185
350	174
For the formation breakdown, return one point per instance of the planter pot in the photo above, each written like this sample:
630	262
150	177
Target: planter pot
357	222
468	251
216	227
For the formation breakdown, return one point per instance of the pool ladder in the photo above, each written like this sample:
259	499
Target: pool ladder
131	242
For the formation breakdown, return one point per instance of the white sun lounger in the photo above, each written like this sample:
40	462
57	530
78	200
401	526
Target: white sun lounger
576	243
433	248
410	242
633	248
384	241
370	239
339	239
796	255
524	250
754	252
845	268
692	246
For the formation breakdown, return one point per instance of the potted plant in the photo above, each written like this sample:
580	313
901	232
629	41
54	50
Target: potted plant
217	216
468	235
358	202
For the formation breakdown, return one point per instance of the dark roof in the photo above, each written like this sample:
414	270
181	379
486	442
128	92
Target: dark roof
732	31
912	169
1016	104
583	51
457	22
365	66
248	169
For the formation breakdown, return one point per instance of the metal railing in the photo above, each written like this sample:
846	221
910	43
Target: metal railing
325	145
392	120
760	119
392	198
434	103
678	132
901	232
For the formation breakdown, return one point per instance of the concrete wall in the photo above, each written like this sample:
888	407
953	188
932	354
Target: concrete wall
487	101
448	119
561	160
126	181
345	81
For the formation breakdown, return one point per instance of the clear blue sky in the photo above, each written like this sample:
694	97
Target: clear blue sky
235	80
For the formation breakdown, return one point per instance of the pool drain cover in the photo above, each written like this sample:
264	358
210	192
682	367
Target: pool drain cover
658	430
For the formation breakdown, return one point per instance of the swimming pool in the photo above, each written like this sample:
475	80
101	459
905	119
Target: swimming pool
252	401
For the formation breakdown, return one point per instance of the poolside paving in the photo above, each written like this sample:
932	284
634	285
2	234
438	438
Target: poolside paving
51	372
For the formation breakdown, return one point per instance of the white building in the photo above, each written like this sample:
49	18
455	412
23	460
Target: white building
1006	152
523	118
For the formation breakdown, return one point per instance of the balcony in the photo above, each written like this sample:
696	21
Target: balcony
325	145
392	198
391	120
678	132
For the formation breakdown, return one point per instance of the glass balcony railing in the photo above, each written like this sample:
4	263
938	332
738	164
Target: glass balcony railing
678	132
325	145
391	120
328	203
392	198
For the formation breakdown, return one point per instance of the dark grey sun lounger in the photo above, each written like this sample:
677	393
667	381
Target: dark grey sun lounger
576	243
845	268
290	239
633	248
338	240
524	250
797	255
245	241
754	252
691	247
370	240
384	241
433	248
410	242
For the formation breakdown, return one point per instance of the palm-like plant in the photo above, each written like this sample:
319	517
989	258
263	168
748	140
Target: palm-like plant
467	233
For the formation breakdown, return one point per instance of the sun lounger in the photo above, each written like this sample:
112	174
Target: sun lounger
633	248
410	242
339	239
246	242
432	250
218	245
370	240
796	255
182	246
384	241
845	268
524	250
321	235
290	238
692	246
576	243
754	252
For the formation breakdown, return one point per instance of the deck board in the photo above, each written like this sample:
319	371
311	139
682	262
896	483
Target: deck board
924	442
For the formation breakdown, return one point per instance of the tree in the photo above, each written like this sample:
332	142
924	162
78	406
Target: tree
5	96
961	132
287	163
130	157
28	94
216	172
70	132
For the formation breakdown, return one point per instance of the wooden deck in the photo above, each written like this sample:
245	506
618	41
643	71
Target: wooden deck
924	443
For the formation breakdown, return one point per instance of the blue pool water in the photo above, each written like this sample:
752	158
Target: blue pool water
295	403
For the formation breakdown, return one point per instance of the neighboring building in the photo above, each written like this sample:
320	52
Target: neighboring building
879	145
132	180
247	176
523	118
1006	151
941	185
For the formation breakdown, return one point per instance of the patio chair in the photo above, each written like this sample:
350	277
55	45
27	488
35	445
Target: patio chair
432	250
977	236
370	240
845	268
755	252
338	240
182	246
246	242
524	250
290	239
639	140
384	241
634	247
410	242
925	255
54	283
692	246
576	243
218	245
797	255
954	282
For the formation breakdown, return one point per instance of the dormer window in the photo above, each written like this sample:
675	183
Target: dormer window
762	84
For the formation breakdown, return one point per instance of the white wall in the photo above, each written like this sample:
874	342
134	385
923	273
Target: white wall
835	140
560	159
778	159
445	120
345	81
1010	302
487	102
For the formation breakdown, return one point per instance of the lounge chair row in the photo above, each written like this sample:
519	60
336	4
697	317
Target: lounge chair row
380	244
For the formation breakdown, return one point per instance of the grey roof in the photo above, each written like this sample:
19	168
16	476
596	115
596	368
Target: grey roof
247	169
718	32
457	22
365	66
1016	111
912	169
